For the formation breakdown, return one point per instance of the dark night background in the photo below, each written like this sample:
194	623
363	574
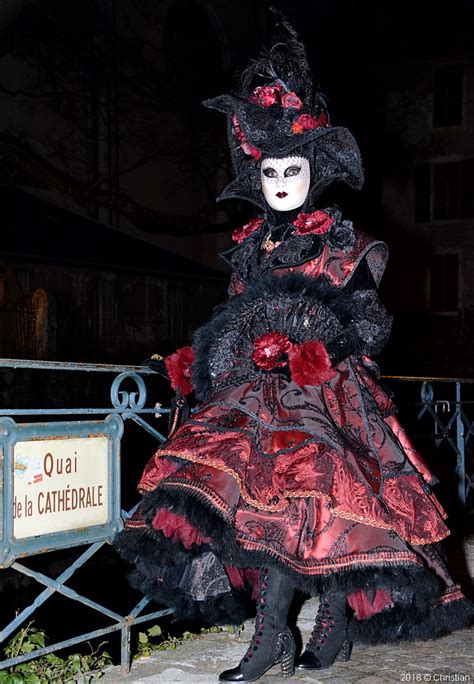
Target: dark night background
107	160
110	166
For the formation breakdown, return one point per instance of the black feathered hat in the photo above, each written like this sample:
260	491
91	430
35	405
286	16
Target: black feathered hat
277	112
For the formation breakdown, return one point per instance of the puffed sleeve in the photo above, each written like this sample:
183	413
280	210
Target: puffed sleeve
367	323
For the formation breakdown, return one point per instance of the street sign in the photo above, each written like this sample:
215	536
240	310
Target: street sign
60	486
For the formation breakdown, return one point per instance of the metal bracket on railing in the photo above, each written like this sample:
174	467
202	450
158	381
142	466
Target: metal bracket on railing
442	404
451	430
128	400
427	393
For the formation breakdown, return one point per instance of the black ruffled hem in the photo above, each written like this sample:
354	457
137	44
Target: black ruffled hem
394	624
136	544
160	564
231	608
416	588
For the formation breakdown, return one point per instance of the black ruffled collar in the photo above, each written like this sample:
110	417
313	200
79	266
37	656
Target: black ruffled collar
276	244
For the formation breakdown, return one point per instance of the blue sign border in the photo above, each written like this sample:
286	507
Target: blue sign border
11	433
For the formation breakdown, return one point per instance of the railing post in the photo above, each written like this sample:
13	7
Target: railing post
461	463
125	650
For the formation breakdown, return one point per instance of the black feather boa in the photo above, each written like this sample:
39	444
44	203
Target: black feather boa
267	286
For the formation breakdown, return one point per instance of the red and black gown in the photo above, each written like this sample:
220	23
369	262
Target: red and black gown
320	480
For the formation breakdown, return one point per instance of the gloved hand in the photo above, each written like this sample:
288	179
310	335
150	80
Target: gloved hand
156	363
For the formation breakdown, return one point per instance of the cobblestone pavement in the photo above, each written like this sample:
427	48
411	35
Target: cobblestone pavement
449	659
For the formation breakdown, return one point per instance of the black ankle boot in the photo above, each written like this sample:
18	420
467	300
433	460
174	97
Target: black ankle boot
272	641
328	641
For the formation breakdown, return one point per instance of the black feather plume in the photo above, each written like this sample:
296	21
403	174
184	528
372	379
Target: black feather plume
284	62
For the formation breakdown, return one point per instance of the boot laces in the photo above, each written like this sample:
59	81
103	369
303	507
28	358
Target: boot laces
323	626
260	620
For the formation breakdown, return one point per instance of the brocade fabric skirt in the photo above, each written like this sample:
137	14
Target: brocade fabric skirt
322	482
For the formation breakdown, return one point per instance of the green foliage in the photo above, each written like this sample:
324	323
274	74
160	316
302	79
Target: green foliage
147	645
49	668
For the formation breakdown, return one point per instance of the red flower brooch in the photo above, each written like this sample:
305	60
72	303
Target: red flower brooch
268	349
306	122
244	144
240	234
309	362
317	223
178	366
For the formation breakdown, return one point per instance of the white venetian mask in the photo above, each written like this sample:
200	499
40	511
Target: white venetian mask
285	181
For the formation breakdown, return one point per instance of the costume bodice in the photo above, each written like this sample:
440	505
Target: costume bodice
300	284
335	254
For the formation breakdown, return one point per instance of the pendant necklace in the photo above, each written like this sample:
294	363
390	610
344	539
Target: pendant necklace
268	244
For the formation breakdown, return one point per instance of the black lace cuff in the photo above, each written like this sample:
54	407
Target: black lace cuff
367	330
343	345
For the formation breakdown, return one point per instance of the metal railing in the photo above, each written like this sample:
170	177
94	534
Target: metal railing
443	409
125	405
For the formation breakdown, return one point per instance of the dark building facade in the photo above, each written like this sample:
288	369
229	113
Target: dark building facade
75	289
428	210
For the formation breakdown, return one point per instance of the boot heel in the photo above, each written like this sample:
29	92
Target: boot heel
287	664
345	652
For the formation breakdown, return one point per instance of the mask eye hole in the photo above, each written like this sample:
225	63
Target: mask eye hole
269	172
292	171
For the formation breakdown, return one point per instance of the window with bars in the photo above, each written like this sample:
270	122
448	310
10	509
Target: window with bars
444	191
447	95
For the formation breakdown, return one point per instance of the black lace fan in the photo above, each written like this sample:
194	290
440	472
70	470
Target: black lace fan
299	307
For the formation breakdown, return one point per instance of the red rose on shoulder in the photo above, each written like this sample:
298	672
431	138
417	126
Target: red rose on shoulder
268	349
317	223
239	234
178	366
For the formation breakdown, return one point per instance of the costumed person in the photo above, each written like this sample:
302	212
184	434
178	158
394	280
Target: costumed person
293	471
